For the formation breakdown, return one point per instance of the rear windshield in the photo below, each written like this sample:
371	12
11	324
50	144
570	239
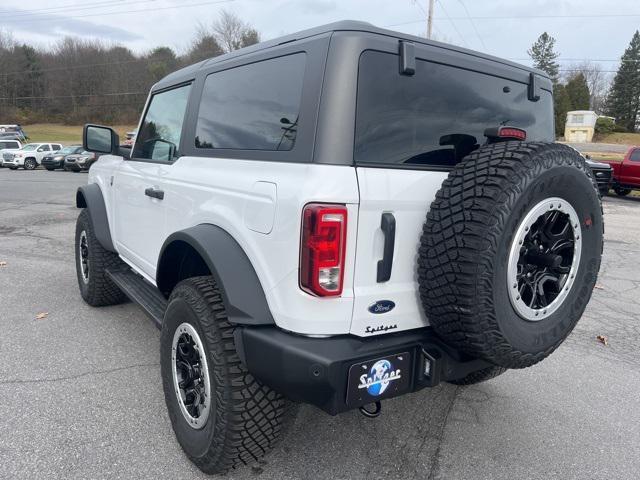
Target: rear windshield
439	115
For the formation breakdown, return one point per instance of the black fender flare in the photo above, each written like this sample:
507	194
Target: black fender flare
90	197
242	292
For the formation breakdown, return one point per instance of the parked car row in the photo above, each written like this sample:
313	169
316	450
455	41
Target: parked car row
50	155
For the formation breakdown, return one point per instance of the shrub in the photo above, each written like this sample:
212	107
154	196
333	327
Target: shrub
605	126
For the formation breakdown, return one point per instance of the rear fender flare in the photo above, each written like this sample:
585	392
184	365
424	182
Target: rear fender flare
242	292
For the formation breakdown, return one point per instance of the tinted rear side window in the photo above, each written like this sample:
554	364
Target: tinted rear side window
635	155
439	115
252	107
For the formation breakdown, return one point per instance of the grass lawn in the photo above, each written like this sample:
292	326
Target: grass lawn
621	138
608	156
66	134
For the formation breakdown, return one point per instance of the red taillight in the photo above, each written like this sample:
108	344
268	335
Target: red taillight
322	248
510	132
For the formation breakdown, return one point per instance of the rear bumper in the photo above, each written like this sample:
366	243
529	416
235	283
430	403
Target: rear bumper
317	370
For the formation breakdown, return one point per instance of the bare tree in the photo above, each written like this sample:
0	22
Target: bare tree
203	46
232	33
598	82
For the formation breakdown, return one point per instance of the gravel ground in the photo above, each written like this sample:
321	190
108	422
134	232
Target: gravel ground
81	395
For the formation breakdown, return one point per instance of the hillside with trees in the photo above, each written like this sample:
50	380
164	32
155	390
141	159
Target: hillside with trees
77	81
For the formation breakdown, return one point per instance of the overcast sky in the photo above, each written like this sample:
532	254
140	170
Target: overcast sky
144	24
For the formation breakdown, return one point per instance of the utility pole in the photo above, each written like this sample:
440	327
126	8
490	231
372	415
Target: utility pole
430	18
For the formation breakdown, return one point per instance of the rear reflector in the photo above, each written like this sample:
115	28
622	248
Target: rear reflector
322	249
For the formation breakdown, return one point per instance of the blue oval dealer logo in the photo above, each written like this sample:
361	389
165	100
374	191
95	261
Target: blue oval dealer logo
382	306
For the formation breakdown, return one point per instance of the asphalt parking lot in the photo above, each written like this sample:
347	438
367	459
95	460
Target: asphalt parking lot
81	394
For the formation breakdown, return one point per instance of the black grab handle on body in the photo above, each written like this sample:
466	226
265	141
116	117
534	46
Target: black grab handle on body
388	227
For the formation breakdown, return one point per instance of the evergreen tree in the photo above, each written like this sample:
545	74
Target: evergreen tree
544	57
561	105
578	92
623	101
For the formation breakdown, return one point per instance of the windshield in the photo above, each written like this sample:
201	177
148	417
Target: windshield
30	146
67	150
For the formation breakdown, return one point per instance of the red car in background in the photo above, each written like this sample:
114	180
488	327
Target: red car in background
626	174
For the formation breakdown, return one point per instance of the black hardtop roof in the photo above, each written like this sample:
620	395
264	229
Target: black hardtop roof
187	73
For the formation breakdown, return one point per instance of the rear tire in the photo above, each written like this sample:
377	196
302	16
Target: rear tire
243	418
501	215
92	262
480	376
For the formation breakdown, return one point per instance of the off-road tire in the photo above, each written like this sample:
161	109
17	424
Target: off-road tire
246	418
622	192
30	164
480	376
100	290
465	244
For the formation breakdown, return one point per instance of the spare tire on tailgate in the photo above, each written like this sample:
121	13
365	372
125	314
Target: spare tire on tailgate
510	251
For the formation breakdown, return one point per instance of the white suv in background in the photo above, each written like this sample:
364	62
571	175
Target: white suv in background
8	146
29	156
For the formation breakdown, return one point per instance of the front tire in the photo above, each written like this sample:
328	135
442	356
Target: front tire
622	192
92	262
30	164
221	415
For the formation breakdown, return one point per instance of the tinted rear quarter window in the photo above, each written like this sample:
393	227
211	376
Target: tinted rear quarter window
439	115
252	107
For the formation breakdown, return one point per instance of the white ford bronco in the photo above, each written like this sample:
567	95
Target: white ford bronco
337	217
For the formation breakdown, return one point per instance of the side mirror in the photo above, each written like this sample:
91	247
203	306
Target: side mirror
99	139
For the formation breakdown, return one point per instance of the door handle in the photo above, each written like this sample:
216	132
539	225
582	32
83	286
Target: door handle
154	193
388	227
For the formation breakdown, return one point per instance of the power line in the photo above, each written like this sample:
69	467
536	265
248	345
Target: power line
126	12
87	95
453	24
7	14
524	17
73	67
472	24
68	5
566	59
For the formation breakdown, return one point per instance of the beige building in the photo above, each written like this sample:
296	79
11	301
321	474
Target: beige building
580	126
